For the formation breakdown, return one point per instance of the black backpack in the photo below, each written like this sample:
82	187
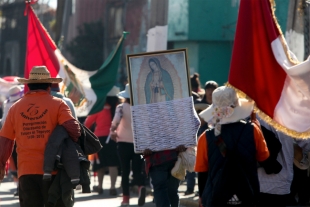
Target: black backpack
231	179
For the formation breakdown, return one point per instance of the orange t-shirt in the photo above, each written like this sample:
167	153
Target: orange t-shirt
201	165
30	121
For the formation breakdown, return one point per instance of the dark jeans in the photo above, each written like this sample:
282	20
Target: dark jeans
33	191
190	180
127	154
165	185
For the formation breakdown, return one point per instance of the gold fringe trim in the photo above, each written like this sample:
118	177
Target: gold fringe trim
269	120
282	39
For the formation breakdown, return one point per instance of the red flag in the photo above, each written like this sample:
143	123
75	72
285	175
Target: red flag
40	47
263	68
86	89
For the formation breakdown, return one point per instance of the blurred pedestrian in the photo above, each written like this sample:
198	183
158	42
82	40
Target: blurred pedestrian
14	94
191	176
121	131
55	91
195	84
30	121
107	156
158	166
210	86
200	104
190	182
277	187
300	190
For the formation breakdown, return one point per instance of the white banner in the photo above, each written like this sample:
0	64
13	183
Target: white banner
157	38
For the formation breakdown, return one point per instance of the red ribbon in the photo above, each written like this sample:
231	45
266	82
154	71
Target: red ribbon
28	3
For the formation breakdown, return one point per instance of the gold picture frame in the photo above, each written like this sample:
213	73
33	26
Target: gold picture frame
158	76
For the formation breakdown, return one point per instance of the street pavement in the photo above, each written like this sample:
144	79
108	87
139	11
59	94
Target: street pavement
8	187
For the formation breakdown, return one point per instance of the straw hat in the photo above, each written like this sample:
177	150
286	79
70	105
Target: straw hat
39	74
15	93
227	107
114	91
125	93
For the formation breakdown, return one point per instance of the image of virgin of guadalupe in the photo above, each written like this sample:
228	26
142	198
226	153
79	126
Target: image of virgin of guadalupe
158	85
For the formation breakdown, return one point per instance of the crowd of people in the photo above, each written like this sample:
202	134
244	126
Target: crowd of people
241	160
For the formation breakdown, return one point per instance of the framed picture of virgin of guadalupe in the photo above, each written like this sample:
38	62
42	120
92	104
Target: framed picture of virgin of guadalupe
158	76
159	90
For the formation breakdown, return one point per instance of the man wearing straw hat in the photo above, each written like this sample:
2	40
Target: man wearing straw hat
30	121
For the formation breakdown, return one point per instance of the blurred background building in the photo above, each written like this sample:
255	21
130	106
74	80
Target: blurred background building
13	33
91	29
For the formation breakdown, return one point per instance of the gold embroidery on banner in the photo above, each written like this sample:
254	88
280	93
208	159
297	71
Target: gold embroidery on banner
269	120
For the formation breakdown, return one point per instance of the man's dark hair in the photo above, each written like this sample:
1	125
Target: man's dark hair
37	86
211	84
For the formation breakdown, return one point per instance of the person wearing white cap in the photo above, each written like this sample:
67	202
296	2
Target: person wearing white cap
229	137
107	156
121	131
30	121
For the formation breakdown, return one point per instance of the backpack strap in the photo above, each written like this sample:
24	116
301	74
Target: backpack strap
222	145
